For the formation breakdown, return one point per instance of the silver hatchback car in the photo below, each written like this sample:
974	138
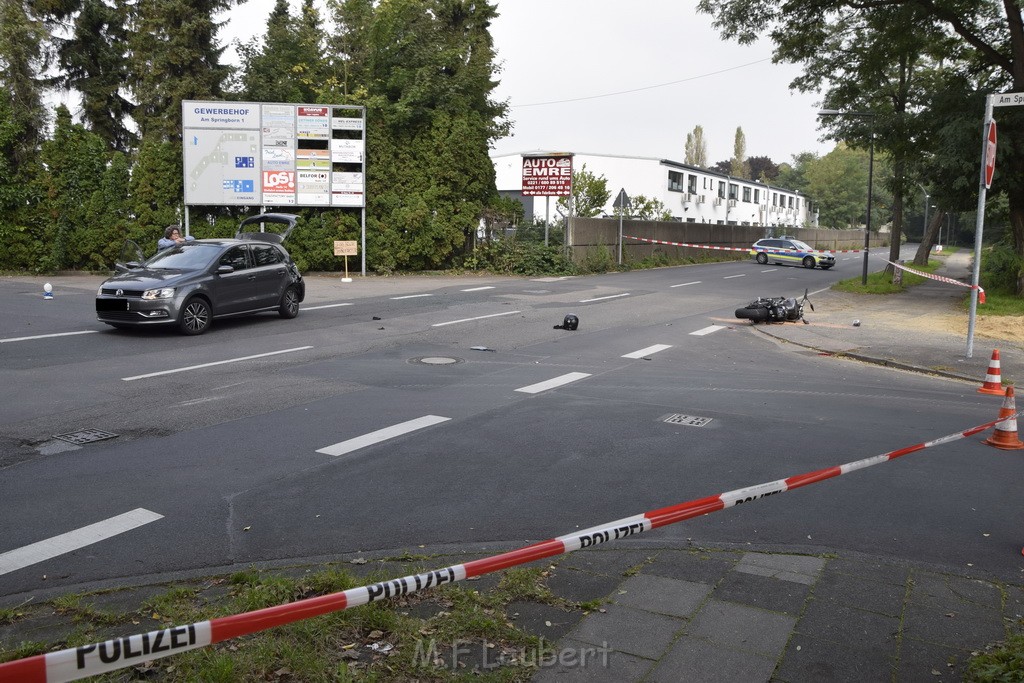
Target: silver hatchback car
191	284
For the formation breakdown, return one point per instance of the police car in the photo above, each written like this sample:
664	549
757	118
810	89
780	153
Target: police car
791	252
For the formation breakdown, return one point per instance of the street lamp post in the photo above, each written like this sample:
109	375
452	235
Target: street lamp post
871	175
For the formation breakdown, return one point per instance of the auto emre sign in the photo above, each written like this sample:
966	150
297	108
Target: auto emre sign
547	176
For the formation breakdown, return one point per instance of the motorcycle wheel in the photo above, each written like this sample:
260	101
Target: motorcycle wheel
757	314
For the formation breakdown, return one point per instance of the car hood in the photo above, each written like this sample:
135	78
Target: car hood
142	279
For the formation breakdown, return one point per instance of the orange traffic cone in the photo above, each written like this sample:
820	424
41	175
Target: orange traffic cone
1005	434
993	382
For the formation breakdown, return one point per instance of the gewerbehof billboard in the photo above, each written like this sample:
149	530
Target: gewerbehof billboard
257	153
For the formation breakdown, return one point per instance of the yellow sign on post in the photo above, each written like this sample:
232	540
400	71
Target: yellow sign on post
346	248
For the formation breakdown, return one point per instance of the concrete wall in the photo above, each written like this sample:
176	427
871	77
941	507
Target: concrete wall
591	234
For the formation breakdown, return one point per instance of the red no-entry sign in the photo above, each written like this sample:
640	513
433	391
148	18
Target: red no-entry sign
990	154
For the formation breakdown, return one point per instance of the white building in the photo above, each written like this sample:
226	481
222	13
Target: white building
690	193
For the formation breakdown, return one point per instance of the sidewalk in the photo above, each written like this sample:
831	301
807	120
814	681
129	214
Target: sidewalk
923	329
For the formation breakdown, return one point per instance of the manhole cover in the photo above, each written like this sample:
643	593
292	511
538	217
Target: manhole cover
436	360
85	436
688	420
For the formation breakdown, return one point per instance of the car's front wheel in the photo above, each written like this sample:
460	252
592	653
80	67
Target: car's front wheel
762	258
195	317
289	307
808	261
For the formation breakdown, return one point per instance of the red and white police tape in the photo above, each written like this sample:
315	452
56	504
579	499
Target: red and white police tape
948	280
746	249
89	660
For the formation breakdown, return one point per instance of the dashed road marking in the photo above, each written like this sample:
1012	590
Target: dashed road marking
343	447
409	296
477	289
28	555
219	362
686	284
479	317
708	330
729	277
316	308
648	351
553	383
602	298
46	336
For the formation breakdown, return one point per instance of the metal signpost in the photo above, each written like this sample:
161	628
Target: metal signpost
988	167
623	204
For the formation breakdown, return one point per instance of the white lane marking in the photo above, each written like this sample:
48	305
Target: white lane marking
708	330
550	279
315	308
219	362
478	289
552	383
648	351
686	284
602	298
729	277
770	270
479	317
73	540
343	447
409	296
47	336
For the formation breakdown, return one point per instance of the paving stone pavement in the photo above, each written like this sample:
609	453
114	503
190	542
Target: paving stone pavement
685	614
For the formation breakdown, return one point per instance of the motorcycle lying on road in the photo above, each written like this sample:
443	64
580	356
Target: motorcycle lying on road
775	310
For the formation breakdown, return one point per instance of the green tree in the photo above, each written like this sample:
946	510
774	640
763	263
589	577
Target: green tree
739	166
590	194
763	169
793	176
175	56
696	148
838	183
94	61
23	40
155	190
108	215
74	161
427	74
646	209
980	43
286	64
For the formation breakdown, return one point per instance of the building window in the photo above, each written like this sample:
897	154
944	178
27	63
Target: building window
692	184
721	189
746	194
775	198
675	181
733	189
757	195
791	202
798	203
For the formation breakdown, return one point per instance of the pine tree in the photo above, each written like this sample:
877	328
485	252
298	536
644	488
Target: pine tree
175	57
94	61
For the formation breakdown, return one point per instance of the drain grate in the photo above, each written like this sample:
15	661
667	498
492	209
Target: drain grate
85	436
688	420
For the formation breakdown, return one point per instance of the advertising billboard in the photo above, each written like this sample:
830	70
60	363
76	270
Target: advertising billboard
270	154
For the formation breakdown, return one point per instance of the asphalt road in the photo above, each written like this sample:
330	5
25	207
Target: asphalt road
370	422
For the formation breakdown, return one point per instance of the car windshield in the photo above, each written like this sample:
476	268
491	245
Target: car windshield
188	256
802	246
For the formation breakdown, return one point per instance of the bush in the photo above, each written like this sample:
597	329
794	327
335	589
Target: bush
516	257
1000	266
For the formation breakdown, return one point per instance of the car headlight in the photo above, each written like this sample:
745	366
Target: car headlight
162	293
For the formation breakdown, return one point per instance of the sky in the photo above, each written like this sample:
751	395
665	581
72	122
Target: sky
628	78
